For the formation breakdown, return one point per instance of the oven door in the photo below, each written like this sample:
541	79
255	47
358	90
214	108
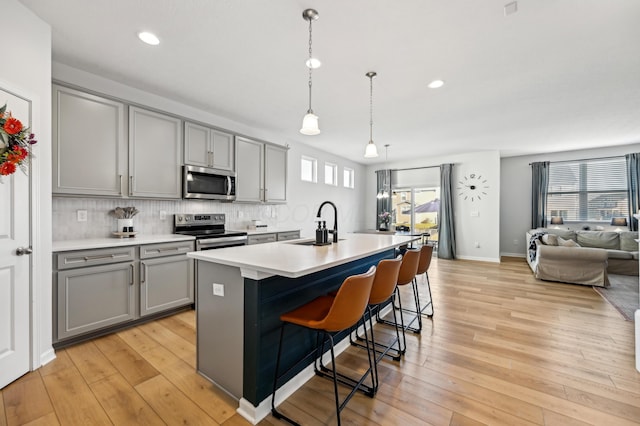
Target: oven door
222	242
209	184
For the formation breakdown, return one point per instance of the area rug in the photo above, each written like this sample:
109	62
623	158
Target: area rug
622	294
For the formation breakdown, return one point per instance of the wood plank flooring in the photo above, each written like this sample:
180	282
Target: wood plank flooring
502	349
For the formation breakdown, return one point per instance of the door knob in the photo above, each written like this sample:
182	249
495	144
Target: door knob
21	251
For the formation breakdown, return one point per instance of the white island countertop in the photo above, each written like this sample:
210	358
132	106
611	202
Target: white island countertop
288	259
94	243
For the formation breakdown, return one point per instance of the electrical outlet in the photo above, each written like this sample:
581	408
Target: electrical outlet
218	290
163	215
240	214
516	242
82	215
476	244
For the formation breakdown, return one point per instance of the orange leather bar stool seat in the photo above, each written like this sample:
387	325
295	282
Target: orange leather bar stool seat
426	253
329	315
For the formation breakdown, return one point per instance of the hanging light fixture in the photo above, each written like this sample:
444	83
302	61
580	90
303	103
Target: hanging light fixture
310	120
371	151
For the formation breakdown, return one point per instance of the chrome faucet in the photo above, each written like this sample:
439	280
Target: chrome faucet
334	231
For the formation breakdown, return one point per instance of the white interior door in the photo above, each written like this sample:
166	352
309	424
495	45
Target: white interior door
15	279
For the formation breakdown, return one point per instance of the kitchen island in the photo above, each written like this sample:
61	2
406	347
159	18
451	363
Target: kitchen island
241	293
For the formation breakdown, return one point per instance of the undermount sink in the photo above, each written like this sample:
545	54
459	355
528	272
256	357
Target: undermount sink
309	242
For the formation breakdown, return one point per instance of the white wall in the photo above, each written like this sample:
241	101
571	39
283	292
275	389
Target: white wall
303	199
483	228
26	68
515	198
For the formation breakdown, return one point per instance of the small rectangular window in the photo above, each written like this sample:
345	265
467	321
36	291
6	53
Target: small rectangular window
348	178
330	174
309	169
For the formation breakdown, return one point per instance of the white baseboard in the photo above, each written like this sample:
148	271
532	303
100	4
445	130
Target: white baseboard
47	356
637	321
522	255
481	259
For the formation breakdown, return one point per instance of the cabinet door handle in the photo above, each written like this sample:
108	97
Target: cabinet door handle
130	185
144	272
100	256
120	176
211	158
131	274
162	250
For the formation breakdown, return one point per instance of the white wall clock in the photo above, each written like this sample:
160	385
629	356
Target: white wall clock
473	186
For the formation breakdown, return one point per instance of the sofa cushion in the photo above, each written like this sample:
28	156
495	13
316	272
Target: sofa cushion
567	243
628	240
567	234
599	239
550	239
619	254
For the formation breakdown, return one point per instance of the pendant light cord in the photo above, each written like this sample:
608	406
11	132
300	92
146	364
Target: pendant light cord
370	107
309	65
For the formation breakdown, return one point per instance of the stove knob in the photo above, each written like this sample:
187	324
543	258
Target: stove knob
186	218
179	218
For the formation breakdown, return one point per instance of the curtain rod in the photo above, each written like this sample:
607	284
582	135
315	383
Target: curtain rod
411	168
584	159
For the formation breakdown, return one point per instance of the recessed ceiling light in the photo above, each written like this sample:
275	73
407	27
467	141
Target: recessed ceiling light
149	38
313	63
435	84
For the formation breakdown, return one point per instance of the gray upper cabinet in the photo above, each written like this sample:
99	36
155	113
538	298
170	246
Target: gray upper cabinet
155	160
275	174
206	147
261	172
89	144
249	170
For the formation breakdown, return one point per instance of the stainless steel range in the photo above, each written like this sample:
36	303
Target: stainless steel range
208	228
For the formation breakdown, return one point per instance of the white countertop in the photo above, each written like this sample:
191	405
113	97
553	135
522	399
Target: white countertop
94	243
288	259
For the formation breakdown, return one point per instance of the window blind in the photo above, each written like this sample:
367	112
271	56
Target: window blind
588	190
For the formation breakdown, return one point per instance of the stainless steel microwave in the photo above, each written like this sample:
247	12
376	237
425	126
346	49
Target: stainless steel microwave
208	184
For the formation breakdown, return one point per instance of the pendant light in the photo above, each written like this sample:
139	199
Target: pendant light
371	151
310	120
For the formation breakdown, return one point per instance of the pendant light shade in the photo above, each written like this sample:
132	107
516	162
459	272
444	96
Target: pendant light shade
310	124
310	121
371	151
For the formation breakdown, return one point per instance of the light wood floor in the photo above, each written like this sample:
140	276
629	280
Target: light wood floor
502	349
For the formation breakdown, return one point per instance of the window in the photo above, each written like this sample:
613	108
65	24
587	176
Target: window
330	174
348	178
308	169
588	190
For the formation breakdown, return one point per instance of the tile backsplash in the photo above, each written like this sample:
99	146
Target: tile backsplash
101	224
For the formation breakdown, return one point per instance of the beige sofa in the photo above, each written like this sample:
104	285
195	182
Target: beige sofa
597	254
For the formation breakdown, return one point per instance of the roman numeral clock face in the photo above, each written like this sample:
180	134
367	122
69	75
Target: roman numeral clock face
472	187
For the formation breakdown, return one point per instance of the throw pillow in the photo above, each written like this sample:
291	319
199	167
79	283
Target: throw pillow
567	243
550	239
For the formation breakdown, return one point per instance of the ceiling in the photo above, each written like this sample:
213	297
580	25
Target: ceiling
556	75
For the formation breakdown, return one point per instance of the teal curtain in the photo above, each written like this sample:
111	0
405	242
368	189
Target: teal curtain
539	190
446	230
633	177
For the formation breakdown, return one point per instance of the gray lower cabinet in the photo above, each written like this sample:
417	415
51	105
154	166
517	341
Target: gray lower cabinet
96	290
162	279
262	238
288	235
95	297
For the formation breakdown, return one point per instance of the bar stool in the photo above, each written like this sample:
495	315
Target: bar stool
426	253
407	275
383	290
329	315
